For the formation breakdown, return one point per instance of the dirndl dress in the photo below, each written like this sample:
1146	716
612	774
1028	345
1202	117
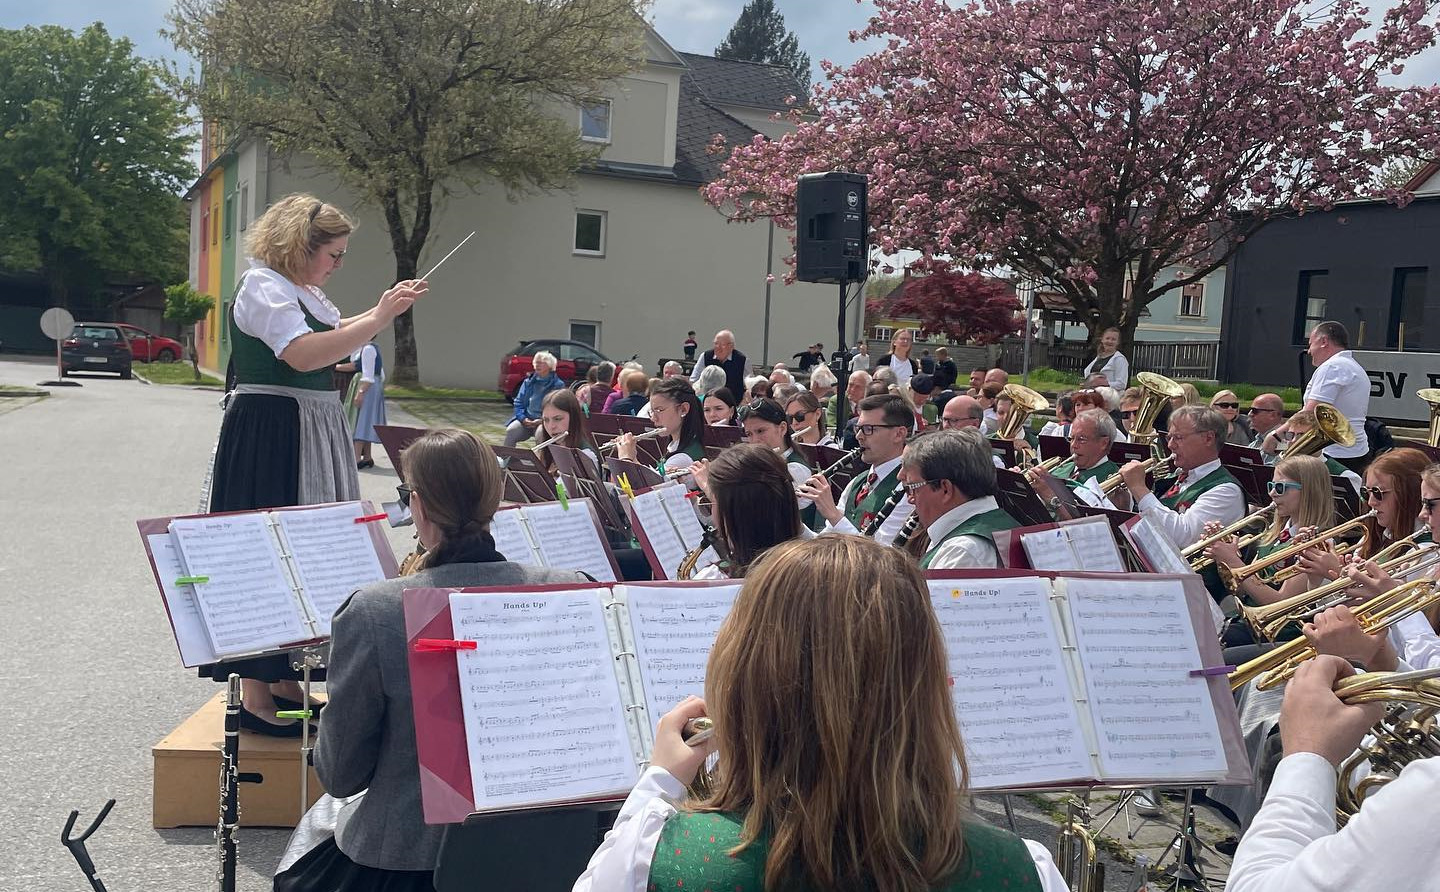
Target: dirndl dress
371	410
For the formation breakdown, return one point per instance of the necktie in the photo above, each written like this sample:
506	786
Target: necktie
1174	490
1284	537
870	482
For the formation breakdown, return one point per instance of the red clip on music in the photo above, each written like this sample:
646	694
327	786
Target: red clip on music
371	518
439	645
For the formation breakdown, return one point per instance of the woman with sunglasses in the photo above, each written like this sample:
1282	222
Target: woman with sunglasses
367	738
766	424
1392	491
1228	405
561	413
676	409
807	415
719	406
1300	491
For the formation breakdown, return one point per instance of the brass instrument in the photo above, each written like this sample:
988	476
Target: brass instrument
1076	856
1195	553
1403	734
1233	576
1402	547
1024	402
1376	615
1158	390
709	538
1431	395
1159	466
1048	466
1330	428
648	435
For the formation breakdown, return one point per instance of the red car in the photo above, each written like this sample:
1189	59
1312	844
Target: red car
573	360
147	347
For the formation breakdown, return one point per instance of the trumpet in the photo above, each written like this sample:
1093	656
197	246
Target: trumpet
1376	615
1233	576
1196	553
647	435
1048	466
550	442
1159	466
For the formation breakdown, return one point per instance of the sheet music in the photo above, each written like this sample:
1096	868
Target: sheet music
674	631
1012	691
185	617
1094	543
511	538
569	539
333	555
1155	544
1050	550
1137	647
248	604
545	720
661	533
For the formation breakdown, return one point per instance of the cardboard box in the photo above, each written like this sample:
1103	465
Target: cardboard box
187	774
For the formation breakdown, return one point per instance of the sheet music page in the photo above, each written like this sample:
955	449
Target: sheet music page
333	555
669	548
185	617
570	539
1152	720
674	631
248	604
511	540
1012	691
1050	550
682	511
1094	543
1156	545
545	720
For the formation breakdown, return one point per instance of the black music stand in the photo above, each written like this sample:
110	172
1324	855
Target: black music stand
1057	493
639	475
522	467
535	849
1406	443
1241	456
1253	480
1053	447
603	428
1005	449
582	478
1347	500
716	437
1014	494
1120	453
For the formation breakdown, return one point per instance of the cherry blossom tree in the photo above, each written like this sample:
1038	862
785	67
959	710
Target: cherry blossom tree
1089	144
963	306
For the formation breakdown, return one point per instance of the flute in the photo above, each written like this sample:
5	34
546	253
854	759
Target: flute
650	434
550	442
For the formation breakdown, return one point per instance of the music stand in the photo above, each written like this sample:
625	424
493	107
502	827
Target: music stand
1253	480
395	438
639	475
540	848
1120	453
716	437
603	427
1240	456
582	479
653	448
522	467
1006	450
1014	494
1347	500
1117	519
1406	443
1057	493
1053	447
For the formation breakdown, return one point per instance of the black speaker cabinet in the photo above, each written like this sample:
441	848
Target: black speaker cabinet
831	242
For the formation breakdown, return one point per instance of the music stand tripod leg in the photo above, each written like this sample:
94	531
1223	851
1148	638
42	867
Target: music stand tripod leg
1186	871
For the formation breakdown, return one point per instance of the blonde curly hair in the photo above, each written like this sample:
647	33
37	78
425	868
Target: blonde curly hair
292	230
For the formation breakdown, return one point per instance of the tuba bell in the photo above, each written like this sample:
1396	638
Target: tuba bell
1158	390
1333	428
1024	402
1431	395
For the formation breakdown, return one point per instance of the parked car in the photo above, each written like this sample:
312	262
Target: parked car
573	359
147	347
96	347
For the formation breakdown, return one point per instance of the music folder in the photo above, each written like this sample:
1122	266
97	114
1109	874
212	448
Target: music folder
1053	447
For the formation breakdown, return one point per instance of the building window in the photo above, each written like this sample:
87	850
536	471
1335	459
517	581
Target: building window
215	224
590	233
587	333
205	228
595	121
244	206
1310	302
1192	299
1407	306
229	215
882	333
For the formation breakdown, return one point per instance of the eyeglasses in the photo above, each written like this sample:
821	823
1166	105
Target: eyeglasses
1131	413
1225	405
960	422
1082	439
337	256
913	486
1279	487
868	430
799	416
405	492
1366	492
1255	409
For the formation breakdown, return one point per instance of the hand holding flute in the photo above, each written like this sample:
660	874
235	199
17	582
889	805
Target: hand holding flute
672	751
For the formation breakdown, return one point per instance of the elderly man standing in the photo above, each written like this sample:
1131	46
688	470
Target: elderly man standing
855	389
530	396
1267	413
724	354
1203	490
1340	381
949	478
1091	435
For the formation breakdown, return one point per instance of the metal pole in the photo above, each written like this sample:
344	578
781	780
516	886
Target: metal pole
841	368
769	277
1029	296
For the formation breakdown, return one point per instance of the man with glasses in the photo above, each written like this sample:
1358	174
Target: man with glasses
965	411
1202	491
1341	382
882	426
1091	435
950	481
1267	412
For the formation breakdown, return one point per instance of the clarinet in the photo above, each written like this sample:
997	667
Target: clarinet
844	460
884	513
912	523
229	786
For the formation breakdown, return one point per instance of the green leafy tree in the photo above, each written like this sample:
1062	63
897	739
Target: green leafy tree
407	100
759	35
93	155
185	306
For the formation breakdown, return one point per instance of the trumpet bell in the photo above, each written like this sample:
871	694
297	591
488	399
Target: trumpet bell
1330	428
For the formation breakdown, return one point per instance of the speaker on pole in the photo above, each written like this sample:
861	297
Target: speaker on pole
831	243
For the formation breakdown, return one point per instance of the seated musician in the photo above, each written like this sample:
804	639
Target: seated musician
1064	416
1274	444
1202	491
807	420
1293	843
1392	492
766	424
719	406
965	411
674	408
752	504
1026	439
872	502
877	703
1303	503
949	478
1091	435
367	738
561	413
988	397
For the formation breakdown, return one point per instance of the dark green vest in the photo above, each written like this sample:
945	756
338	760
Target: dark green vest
696	451
857	511
256	363
1066	471
1187	496
985	525
693	854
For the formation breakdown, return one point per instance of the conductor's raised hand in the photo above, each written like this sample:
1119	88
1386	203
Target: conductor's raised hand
671	751
1314	720
400	297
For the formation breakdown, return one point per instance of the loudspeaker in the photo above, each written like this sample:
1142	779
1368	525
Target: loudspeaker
831	232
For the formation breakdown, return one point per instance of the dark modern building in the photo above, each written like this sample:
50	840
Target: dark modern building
1366	264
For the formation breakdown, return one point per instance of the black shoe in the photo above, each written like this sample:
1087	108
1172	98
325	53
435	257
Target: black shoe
1227	846
249	721
287	704
364	463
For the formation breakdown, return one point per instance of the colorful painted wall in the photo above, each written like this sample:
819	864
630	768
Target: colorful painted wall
214	267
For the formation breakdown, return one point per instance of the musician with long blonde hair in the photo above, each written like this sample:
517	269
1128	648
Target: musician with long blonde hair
840	762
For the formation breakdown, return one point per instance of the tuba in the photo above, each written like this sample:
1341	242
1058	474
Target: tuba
1431	395
1024	402
1331	428
1077	857
1158	390
1406	732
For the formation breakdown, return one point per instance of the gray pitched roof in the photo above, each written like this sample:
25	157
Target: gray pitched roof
743	83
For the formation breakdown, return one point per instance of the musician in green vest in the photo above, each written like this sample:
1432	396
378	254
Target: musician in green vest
1091	435
950	479
872	693
873	502
1202	490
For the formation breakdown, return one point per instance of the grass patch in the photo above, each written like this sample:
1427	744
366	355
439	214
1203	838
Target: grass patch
18	390
175	373
393	391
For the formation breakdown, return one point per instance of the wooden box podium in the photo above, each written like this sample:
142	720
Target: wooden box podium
187	774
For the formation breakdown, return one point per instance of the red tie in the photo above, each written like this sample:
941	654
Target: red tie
1284	537
870	482
1174	489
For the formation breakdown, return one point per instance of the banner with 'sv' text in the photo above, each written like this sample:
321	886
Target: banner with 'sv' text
1394	378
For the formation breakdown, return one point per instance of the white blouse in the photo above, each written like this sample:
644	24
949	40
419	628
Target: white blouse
268	307
1115	368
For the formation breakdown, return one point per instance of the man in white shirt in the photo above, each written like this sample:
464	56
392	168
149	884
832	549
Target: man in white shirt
965	411
950	479
883	424
860	362
1203	490
1341	382
1293	844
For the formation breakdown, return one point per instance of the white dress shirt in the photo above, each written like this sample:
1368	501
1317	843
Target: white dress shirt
860	362
1225	503
1292	845
268	307
963	552
891	527
1055	429
1341	382
622	863
1116	369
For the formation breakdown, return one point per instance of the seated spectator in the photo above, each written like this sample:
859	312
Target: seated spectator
636	385
594	395
712	377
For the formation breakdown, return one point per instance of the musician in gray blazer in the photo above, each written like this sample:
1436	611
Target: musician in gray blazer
367	732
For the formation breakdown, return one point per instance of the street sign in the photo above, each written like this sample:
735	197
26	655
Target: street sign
1394	378
56	323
